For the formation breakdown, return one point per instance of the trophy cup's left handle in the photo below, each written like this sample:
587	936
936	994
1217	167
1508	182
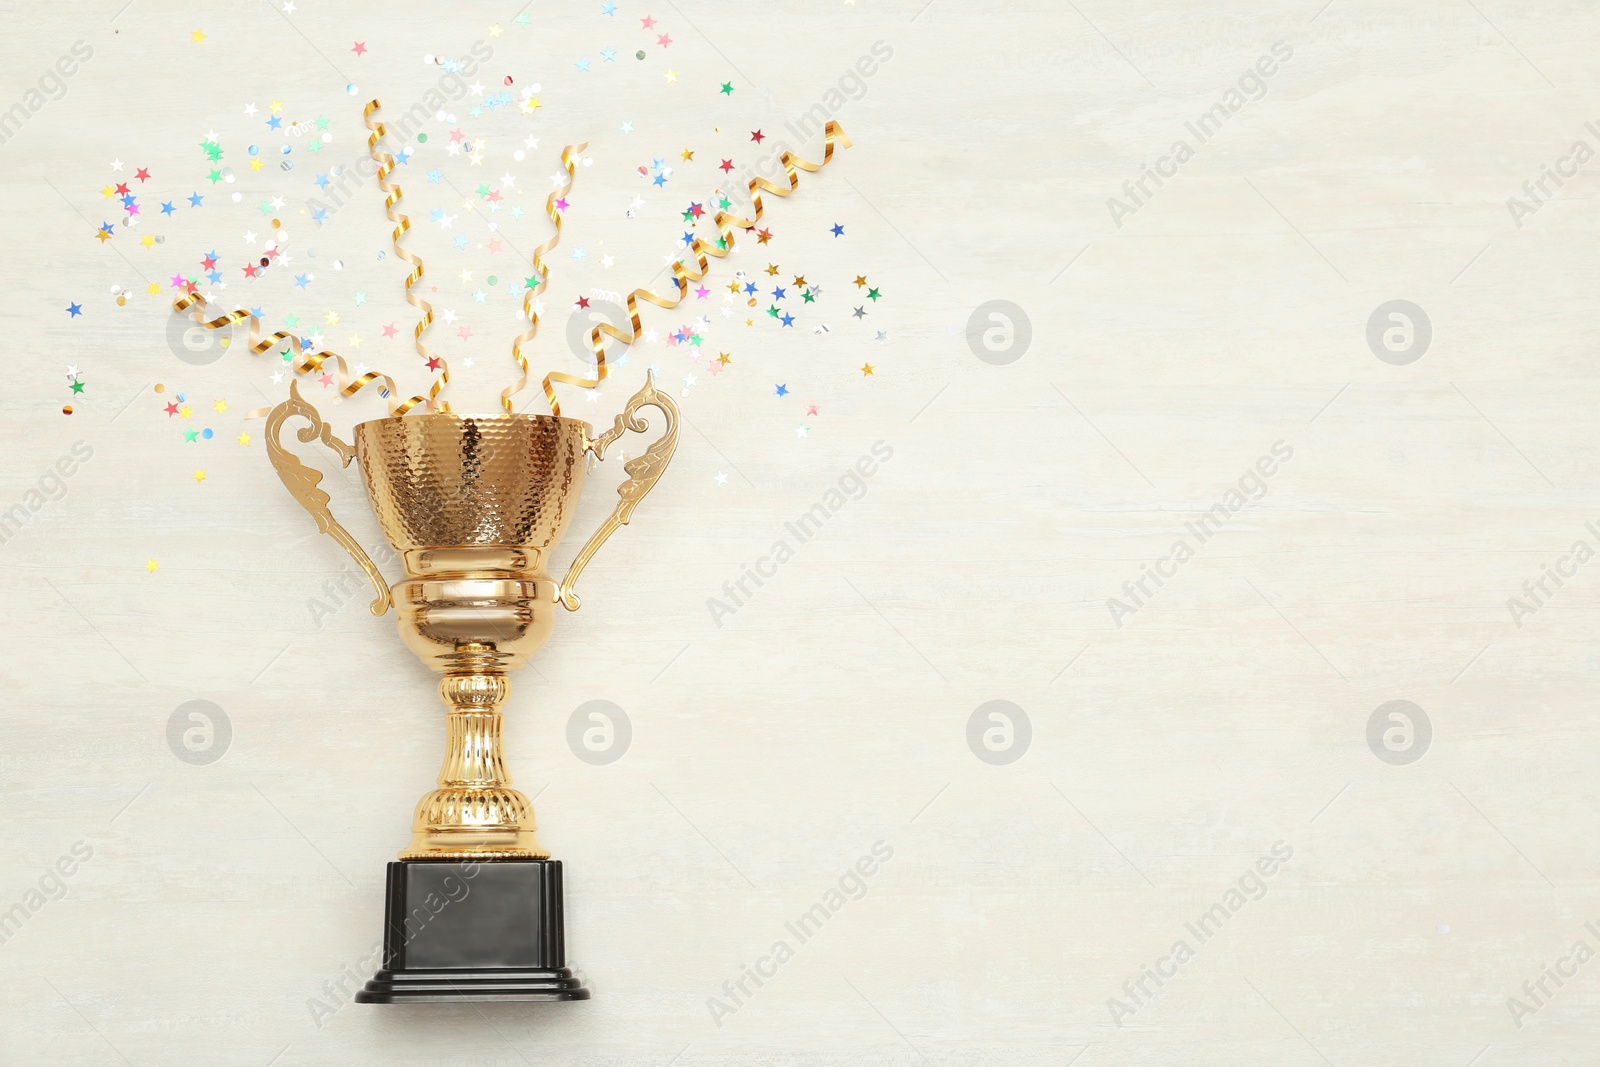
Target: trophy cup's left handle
301	481
643	473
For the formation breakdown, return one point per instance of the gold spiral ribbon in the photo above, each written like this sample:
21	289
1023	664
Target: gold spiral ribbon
303	363
392	194
541	277
682	275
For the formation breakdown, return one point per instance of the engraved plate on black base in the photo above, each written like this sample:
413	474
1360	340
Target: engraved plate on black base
462	931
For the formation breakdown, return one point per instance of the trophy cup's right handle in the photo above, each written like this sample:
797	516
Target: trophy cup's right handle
301	481
643	473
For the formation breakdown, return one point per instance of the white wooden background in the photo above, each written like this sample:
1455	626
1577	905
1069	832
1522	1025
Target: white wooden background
223	901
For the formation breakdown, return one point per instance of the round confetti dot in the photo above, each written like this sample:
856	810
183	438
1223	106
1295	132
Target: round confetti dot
351	89
254	150
422	138
285	149
282	236
639	54
427	60
115	289
207	434
160	388
276	224
237	197
493	280
122	301
271	245
66	409
338	264
508	79
327	138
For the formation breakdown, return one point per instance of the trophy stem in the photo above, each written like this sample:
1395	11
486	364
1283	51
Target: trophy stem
474	814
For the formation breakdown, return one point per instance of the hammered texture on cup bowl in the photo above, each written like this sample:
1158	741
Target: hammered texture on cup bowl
461	480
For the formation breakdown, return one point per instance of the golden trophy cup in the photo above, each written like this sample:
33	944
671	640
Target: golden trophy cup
475	506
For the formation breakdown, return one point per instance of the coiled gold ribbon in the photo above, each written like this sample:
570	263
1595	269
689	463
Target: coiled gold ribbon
541	278
392	196
682	275
302	364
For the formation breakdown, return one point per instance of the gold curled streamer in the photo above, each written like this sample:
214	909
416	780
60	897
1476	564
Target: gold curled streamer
392	194
542	277
682	276
303	363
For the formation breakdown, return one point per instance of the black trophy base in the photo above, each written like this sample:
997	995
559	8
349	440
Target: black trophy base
473	931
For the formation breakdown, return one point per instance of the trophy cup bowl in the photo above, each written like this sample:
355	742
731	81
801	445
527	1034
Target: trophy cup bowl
475	506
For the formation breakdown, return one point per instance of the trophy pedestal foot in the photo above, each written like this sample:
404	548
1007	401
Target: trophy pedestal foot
469	930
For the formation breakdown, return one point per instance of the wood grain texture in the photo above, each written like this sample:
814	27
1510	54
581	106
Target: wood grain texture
1174	342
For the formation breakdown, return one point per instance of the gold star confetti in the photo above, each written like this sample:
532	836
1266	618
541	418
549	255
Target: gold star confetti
197	36
199	476
151	566
866	369
243	439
